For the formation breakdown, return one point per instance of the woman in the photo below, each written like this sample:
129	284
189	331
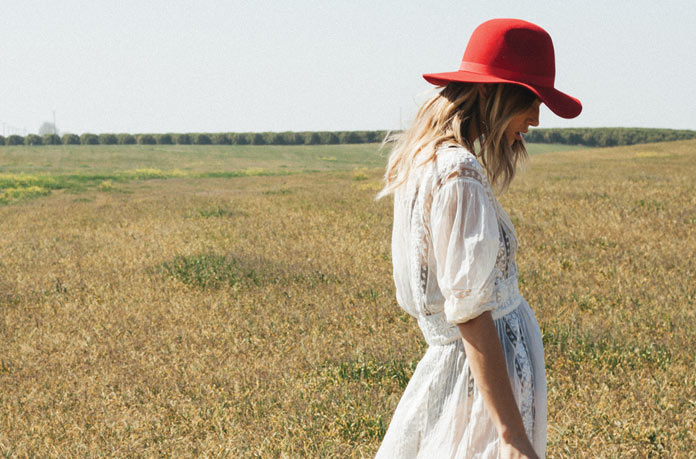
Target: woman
480	389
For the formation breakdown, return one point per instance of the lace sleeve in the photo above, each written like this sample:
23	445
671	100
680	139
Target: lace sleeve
465	242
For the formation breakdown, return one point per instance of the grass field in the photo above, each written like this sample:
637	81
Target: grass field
218	312
30	172
198	159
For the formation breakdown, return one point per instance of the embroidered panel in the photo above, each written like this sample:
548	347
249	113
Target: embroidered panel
523	370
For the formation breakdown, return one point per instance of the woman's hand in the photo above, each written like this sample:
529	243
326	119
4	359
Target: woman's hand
522	451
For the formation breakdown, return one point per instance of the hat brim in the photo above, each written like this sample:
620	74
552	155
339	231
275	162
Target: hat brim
558	102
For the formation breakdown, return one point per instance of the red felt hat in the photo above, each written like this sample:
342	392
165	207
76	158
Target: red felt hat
512	51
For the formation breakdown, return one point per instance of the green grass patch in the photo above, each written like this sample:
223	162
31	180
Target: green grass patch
212	271
369	370
220	212
18	187
208	271
361	428
360	174
11	195
540	148
604	351
278	191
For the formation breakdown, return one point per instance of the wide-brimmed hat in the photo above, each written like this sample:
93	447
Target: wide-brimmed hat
512	51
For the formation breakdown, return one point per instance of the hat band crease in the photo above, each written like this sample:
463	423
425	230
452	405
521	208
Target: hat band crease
506	74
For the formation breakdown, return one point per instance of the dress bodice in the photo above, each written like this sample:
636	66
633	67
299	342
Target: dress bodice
453	246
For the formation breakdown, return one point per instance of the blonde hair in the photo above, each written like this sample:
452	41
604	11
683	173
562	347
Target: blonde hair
458	112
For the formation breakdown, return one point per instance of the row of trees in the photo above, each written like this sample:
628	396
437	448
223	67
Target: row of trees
593	137
223	138
606	137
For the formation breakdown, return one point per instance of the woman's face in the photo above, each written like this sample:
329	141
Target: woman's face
521	122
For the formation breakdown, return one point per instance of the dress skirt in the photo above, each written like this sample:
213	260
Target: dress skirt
442	414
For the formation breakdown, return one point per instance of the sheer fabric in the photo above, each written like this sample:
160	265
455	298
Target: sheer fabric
453	250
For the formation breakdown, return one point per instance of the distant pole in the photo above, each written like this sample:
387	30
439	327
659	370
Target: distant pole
55	130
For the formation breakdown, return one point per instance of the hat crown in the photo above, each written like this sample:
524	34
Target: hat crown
512	48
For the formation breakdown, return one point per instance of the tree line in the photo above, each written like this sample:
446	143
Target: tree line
220	138
593	137
606	137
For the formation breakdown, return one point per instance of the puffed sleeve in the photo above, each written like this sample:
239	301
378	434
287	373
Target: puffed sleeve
465	240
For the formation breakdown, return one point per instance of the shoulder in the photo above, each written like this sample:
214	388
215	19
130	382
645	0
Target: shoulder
456	162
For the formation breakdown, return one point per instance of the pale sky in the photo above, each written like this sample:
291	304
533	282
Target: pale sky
232	66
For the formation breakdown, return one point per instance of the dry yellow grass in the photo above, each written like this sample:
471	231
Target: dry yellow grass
255	316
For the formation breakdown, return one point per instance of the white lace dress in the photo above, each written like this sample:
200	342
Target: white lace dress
453	249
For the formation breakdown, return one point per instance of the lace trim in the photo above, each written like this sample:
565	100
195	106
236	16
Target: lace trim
507	297
523	370
461	170
420	225
425	253
503	260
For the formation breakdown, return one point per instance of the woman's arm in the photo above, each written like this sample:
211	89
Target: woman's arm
487	363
